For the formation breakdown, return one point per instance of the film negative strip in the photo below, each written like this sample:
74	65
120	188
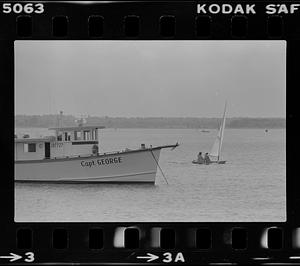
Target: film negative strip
173	132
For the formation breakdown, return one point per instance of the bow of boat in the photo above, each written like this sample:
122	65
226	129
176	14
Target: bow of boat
172	146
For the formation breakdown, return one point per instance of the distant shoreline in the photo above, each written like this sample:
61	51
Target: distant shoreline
46	121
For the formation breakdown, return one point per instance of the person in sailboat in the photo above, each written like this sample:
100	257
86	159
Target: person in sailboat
200	158
207	159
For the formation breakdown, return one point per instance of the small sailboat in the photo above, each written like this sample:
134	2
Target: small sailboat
216	148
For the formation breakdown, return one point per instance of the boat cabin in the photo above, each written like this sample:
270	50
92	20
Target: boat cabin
67	142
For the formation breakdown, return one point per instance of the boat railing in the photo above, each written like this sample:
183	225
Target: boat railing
89	155
113	152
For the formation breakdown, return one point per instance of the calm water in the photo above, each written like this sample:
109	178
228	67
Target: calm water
249	187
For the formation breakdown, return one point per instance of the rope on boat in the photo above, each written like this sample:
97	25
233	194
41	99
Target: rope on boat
159	167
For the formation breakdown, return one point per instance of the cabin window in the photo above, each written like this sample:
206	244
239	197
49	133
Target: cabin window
29	147
67	136
77	135
59	136
94	134
86	135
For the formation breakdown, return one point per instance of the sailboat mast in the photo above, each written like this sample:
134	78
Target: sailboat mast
219	148
222	131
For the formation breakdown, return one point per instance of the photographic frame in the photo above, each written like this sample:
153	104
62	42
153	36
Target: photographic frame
258	28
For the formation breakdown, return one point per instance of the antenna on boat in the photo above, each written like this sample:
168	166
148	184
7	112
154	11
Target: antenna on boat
159	167
61	118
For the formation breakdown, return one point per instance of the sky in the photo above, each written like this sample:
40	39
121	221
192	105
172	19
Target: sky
151	78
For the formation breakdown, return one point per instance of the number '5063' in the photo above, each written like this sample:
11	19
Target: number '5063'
22	8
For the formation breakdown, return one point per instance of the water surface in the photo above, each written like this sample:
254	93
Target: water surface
250	187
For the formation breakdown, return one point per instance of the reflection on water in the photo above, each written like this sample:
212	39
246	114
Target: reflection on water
249	187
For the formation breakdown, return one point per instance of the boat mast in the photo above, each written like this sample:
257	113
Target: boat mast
222	131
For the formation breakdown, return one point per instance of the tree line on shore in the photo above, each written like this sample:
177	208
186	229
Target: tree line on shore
46	121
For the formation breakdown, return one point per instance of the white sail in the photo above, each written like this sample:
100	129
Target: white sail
216	148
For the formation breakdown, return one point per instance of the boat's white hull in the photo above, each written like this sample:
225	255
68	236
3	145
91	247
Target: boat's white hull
138	166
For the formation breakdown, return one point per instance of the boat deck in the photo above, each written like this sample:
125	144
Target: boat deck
99	155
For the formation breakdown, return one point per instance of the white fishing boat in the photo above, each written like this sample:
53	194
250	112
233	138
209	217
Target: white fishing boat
215	152
72	155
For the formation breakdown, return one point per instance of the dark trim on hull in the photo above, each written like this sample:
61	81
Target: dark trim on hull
84	142
84	182
119	153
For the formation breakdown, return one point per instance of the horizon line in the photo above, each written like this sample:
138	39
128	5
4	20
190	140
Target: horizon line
106	116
